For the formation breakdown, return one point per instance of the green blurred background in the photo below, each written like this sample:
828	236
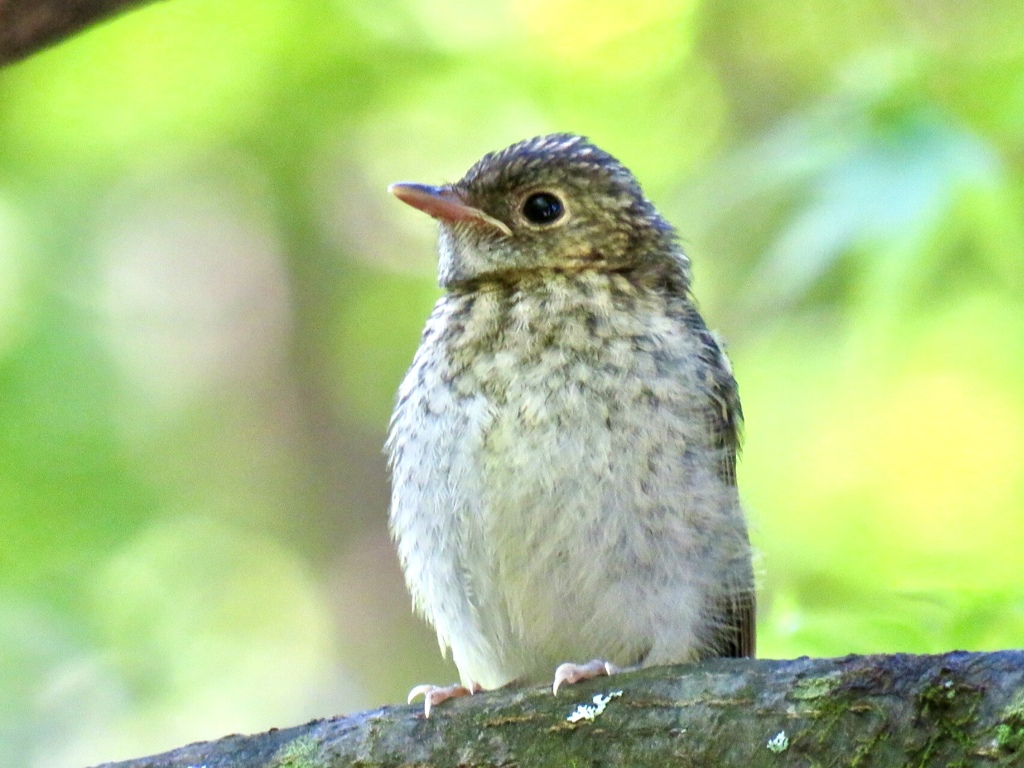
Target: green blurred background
207	301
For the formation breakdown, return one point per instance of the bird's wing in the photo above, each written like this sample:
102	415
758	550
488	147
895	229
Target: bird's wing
726	416
736	615
736	636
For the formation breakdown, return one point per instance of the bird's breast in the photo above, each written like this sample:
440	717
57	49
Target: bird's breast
546	452
546	383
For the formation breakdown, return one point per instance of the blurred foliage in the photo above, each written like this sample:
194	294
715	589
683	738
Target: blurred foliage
207	301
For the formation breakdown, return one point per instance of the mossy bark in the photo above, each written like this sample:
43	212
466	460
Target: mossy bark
958	709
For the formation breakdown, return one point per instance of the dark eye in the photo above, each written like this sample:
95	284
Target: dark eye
542	208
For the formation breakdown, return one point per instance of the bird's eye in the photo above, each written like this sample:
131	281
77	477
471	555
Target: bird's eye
543	208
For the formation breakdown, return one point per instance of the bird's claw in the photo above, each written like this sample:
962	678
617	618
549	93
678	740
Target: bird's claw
435	694
570	673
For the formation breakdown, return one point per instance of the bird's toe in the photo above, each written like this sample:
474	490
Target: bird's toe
436	694
569	673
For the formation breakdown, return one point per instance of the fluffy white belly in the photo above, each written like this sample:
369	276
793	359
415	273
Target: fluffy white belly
560	504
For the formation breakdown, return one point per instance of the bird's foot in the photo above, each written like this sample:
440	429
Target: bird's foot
435	694
570	673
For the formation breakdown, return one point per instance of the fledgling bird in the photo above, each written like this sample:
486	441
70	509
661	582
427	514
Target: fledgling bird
563	448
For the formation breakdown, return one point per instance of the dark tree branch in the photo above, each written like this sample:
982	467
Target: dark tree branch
958	709
29	25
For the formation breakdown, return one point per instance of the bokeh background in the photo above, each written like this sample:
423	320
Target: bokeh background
207	301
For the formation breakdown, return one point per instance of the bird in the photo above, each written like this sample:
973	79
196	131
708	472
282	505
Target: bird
563	447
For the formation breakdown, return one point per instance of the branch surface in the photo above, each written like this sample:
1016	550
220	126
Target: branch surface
26	26
957	709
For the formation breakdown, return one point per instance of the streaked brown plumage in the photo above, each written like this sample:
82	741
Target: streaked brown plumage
563	447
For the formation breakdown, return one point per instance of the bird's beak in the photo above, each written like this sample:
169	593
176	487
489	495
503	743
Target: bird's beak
443	203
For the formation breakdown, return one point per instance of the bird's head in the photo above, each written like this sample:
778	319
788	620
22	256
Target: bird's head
551	203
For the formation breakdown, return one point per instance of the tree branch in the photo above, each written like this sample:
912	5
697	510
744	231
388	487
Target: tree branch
961	709
29	25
